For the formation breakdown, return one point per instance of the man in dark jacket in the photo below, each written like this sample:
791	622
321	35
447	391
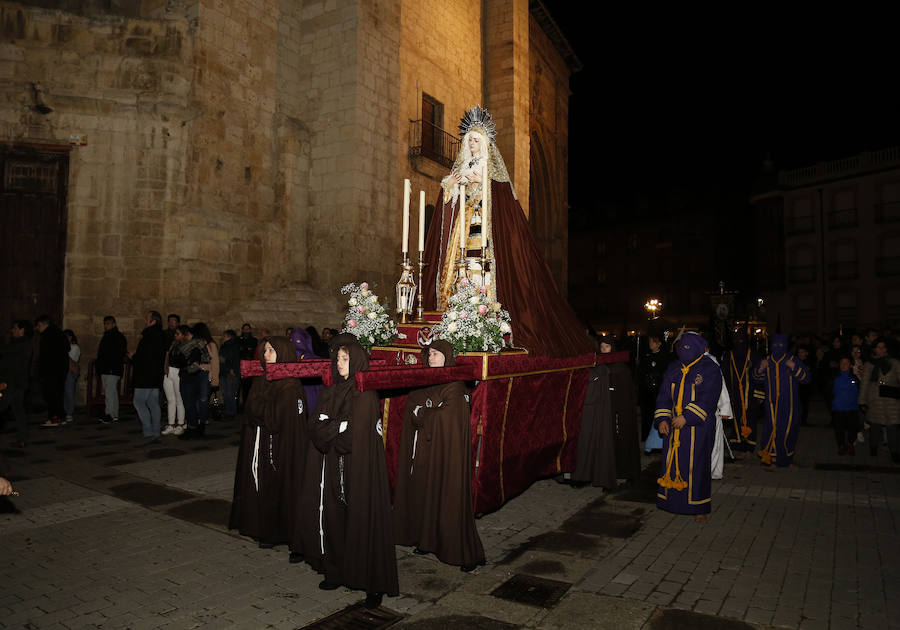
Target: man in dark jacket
148	362
110	365
230	372
248	353
53	365
650	375
15	366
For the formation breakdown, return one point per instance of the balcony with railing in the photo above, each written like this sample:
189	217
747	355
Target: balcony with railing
843	270
868	161
887	212
887	266
803	224
432	142
801	274
845	218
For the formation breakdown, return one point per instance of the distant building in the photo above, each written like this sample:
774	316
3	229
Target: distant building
835	234
620	257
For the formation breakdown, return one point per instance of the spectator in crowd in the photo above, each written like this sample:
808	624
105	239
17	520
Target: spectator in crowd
248	353
194	385
857	363
828	366
72	375
53	365
805	390
15	366
175	362
149	360
110	365
212	364
868	345
845	408
230	371
173	321
320	347
651	369
879	398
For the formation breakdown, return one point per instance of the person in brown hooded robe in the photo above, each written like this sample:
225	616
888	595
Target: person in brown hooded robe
433	498
270	458
343	528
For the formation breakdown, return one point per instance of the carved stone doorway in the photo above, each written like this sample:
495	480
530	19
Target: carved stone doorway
33	192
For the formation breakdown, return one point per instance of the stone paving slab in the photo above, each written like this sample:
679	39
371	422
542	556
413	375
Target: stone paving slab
797	548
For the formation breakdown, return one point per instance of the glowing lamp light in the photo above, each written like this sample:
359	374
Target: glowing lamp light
653	307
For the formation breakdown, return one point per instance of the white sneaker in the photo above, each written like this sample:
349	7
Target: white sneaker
169	430
69	419
178	430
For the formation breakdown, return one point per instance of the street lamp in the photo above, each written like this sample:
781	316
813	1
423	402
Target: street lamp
653	308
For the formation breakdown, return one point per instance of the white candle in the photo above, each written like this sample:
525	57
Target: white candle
462	216
484	219
421	220
406	193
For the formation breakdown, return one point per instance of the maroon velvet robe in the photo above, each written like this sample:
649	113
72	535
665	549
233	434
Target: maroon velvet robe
542	321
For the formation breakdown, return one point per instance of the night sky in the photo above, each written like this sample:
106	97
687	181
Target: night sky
664	103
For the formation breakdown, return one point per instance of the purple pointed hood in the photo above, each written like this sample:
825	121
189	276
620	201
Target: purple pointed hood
779	346
302	343
690	347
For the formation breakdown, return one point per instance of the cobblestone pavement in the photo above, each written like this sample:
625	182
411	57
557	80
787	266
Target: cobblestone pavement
111	535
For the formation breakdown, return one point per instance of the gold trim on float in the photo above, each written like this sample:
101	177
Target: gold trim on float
384	420
565	435
553	371
503	439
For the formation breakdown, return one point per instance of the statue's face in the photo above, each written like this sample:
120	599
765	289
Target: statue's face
476	143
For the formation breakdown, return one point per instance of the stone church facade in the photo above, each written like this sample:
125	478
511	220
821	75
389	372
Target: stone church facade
231	160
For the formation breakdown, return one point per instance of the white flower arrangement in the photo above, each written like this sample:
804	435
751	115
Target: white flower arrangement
366	318
473	322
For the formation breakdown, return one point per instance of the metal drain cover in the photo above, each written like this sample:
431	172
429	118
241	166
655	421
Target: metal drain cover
357	617
532	590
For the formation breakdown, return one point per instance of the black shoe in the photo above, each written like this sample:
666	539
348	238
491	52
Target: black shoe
419	552
295	557
468	568
189	434
325	585
106	419
373	600
201	431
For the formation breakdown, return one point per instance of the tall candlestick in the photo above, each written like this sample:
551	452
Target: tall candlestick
406	193
421	220
462	216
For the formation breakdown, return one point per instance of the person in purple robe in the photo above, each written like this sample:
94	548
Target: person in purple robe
737	366
685	418
781	374
303	343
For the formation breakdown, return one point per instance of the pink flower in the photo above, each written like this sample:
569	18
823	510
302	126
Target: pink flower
361	308
463	315
483	290
364	286
464	282
352	323
482	309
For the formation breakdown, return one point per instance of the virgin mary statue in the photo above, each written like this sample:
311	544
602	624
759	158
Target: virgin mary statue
506	257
